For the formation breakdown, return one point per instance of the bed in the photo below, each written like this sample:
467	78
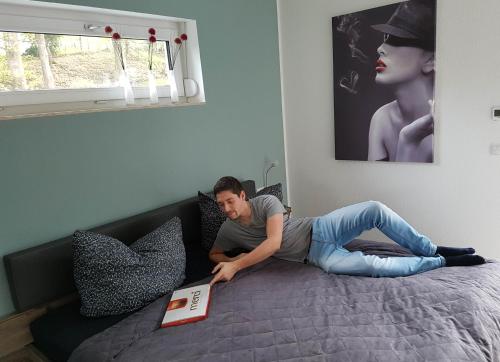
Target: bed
273	311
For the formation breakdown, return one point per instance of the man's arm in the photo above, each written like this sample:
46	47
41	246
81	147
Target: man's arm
274	231
217	255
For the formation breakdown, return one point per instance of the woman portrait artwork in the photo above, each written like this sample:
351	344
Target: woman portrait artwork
384	71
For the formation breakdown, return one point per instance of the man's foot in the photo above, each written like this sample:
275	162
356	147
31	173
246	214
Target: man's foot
464	260
447	251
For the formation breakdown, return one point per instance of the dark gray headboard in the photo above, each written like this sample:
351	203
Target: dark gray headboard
44	273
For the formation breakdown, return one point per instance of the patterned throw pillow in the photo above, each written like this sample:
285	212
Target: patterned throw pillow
212	217
275	190
113	278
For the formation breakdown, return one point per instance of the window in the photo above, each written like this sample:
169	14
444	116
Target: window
57	58
48	61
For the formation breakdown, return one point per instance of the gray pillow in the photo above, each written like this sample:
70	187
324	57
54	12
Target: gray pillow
113	278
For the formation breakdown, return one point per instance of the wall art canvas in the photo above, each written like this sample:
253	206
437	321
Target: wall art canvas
384	72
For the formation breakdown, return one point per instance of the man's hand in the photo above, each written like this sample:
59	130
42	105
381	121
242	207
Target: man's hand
226	271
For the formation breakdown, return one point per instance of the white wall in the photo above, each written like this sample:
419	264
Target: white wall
456	200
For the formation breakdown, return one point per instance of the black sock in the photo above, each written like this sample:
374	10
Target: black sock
446	251
464	260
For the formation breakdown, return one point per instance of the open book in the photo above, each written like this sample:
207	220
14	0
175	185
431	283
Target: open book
187	305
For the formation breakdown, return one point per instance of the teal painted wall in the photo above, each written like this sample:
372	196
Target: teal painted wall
63	173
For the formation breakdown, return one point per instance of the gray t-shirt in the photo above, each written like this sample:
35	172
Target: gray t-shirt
296	231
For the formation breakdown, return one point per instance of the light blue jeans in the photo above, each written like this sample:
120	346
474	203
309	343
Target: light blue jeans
334	230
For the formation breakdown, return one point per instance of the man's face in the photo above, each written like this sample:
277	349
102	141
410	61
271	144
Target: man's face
231	204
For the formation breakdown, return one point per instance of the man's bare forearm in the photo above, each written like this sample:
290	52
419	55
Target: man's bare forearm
266	249
219	257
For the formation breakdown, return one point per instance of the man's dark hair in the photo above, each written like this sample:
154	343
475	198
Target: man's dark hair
228	183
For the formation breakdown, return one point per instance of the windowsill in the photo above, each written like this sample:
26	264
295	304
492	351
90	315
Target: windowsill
47	110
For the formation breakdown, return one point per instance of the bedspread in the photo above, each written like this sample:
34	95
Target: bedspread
286	311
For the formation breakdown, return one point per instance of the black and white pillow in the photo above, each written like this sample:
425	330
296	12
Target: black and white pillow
113	278
275	190
212	217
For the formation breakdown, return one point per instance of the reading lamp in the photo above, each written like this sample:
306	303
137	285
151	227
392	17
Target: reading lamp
273	164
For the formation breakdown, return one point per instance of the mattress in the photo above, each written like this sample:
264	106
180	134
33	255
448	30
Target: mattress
58	333
286	311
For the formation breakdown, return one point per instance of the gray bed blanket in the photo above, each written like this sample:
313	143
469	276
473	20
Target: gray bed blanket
285	311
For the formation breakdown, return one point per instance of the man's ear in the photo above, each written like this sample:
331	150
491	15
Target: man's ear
429	65
243	195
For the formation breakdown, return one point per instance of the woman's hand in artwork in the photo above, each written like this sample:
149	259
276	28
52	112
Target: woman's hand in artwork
411	146
416	131
225	271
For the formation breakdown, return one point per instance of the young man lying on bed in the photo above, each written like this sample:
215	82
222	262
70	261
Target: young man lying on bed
258	225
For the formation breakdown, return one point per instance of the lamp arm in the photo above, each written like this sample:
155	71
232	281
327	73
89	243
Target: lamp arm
267	171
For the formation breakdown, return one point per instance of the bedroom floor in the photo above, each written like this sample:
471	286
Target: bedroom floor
27	354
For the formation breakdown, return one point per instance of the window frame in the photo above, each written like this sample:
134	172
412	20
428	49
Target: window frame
52	18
